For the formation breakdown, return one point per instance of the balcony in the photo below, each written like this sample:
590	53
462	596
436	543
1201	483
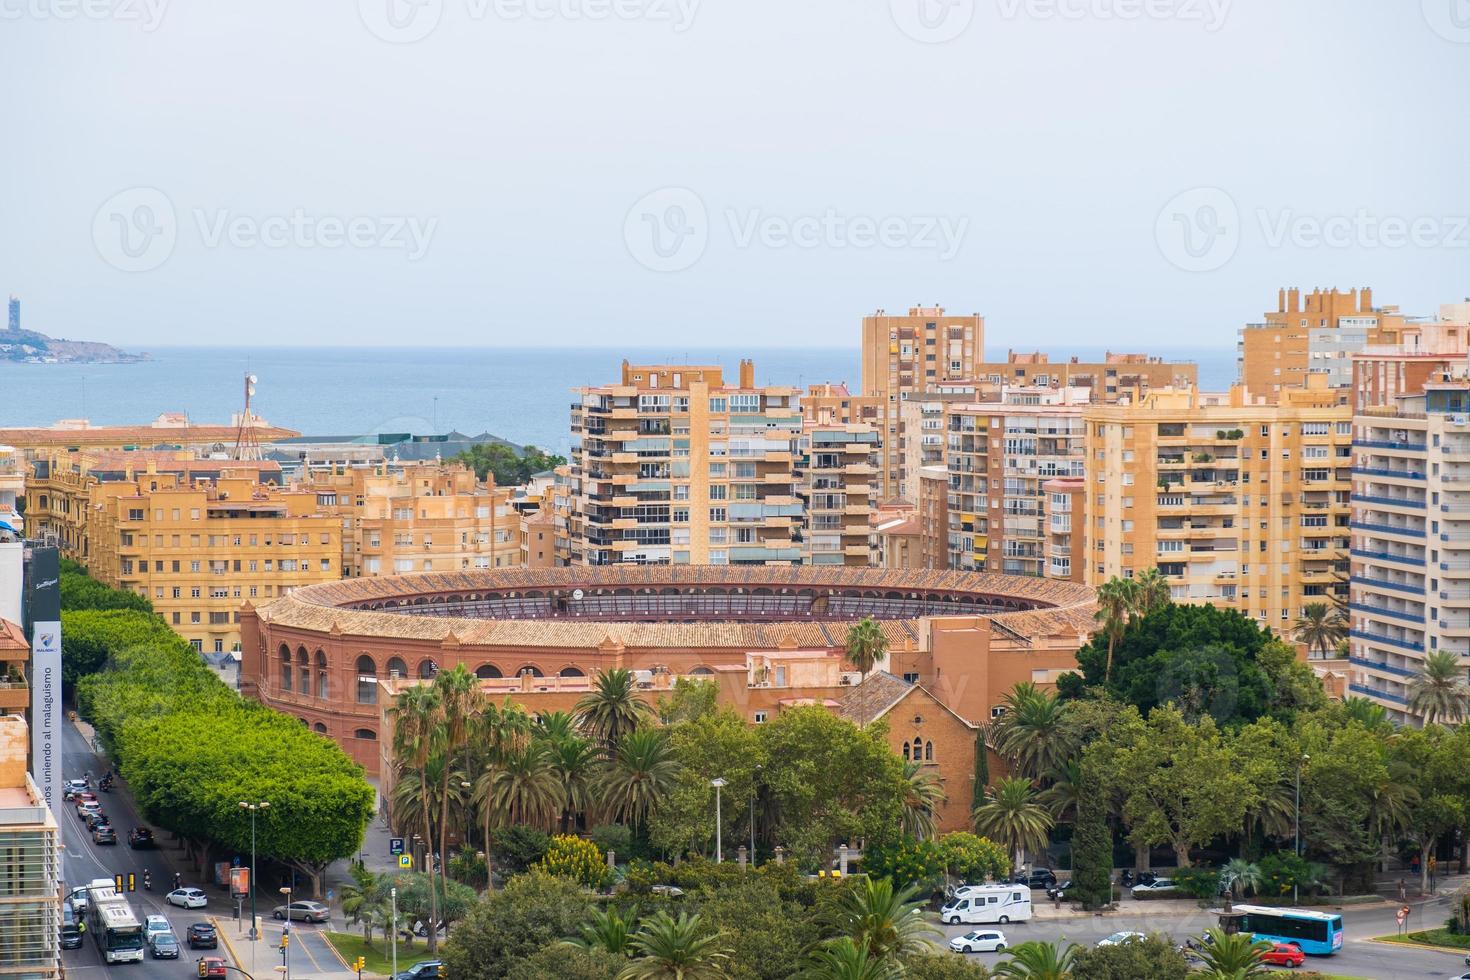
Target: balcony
1384	666
1412	447
1387	529
1373	692
1391	501
1408	617
1388	556
1381	638
1379	583
1393	474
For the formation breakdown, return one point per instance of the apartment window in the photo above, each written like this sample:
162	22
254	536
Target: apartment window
719	558
760	717
718	491
718	405
194	592
718	515
718	469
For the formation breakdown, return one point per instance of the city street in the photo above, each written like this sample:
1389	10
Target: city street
83	861
1358	958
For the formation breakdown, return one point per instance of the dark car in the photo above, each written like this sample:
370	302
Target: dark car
71	927
203	936
140	837
104	834
1064	887
422	970
1037	878
164	946
95	818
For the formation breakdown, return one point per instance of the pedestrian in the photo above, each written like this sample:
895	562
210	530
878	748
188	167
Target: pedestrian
1433	870
1403	890
1414	864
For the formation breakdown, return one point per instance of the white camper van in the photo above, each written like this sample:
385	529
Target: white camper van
991	903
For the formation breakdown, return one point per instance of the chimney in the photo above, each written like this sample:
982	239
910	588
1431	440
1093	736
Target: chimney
747	373
1365	300
1281	300
1293	300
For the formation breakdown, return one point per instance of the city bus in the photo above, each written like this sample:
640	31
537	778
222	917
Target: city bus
114	927
1316	933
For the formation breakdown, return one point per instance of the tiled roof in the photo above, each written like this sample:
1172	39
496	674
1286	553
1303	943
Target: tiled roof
878	692
1063	608
12	637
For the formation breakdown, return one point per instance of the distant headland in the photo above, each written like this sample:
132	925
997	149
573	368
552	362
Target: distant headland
29	347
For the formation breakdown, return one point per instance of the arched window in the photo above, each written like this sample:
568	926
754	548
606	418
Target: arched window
702	671
905	751
427	670
303	675
487	672
321	684
397	668
321	659
301	657
928	751
367	680
285	653
319	728
571	672
366	734
286	673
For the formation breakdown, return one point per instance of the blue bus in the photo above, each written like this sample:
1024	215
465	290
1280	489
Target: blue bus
1316	933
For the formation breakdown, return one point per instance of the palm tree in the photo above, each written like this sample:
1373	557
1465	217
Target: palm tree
1116	598
1032	731
1060	798
523	788
365	901
1370	714
409	804
666	948
1241	876
1233	956
613	708
607	930
1013	818
460	698
1320	627
842	959
1439	692
887	923
497	732
1274	810
1039	961
639	777
1391	803
866	645
574	760
555	725
416	730
923	794
1153	591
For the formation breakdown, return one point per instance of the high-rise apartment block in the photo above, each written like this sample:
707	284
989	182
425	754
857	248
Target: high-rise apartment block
1115	378
672	465
1314	334
1239	503
837	483
1411	540
904	355
30	911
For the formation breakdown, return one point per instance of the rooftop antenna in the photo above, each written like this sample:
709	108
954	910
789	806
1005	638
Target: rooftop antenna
247	444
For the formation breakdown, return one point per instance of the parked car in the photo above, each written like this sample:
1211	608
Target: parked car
422	970
1119	938
75	786
188	898
1156	886
203	936
94	818
71	927
1284	954
140	837
81	899
979	941
87	806
212	966
303	912
104	834
1036	878
154	924
163	946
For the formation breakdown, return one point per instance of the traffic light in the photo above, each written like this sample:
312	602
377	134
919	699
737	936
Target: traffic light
285	941
358	964
441	972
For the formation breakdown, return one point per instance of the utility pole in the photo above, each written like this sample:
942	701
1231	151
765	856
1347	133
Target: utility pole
393	894
717	783
254	933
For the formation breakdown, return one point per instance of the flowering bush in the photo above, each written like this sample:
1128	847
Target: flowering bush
907	861
973	858
577	859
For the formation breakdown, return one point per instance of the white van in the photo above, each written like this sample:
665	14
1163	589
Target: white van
993	903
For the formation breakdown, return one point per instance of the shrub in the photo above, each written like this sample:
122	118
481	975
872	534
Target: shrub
1153	958
577	859
613	837
972	857
469	868
1198	882
517	848
907	861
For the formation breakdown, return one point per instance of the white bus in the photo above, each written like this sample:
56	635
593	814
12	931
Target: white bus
989	903
114	927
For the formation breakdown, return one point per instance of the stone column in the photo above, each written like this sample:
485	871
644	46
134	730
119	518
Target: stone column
780	854
742	856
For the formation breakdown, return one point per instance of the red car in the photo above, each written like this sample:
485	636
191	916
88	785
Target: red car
1284	954
212	966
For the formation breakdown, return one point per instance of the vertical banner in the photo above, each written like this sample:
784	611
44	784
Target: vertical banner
43	619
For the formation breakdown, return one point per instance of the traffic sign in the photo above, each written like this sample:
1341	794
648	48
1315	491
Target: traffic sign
405	860
395	845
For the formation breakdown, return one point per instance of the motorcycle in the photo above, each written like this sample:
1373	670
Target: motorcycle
1127	879
147	881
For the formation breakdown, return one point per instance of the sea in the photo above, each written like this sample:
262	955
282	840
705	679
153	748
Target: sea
520	394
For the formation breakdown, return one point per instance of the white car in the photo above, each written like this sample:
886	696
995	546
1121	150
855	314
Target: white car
155	924
188	898
1119	938
979	941
1157	885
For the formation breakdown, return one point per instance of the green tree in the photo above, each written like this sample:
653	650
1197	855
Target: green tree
973	859
765	931
938	966
1438	693
1092	845
1116	600
519	847
639	777
533	911
607	930
843	959
1154	592
1011	817
712	744
613	708
982	767
1320	628
1033	732
666	948
906	861
1233	956
567	963
923	796
865	645
524	788
417	716
460	701
509	467
365	901
884	920
1240	876
574	760
1039	961
1370	714
1151	958
690	699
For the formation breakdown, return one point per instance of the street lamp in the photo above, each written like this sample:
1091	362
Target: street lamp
1297	822
393	895
717	783
752	815
253	808
285	942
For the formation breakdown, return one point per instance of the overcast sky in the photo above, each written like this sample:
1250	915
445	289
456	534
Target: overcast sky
601	172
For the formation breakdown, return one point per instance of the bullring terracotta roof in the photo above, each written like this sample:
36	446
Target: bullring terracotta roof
1063	608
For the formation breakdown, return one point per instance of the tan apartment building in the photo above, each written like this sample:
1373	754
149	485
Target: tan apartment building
1314	334
999	456
908	354
200	550
30	908
1382	373
12	488
833	404
1064	510
672	465
921	430
170	431
1115	378
836	487
1239	503
417	517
